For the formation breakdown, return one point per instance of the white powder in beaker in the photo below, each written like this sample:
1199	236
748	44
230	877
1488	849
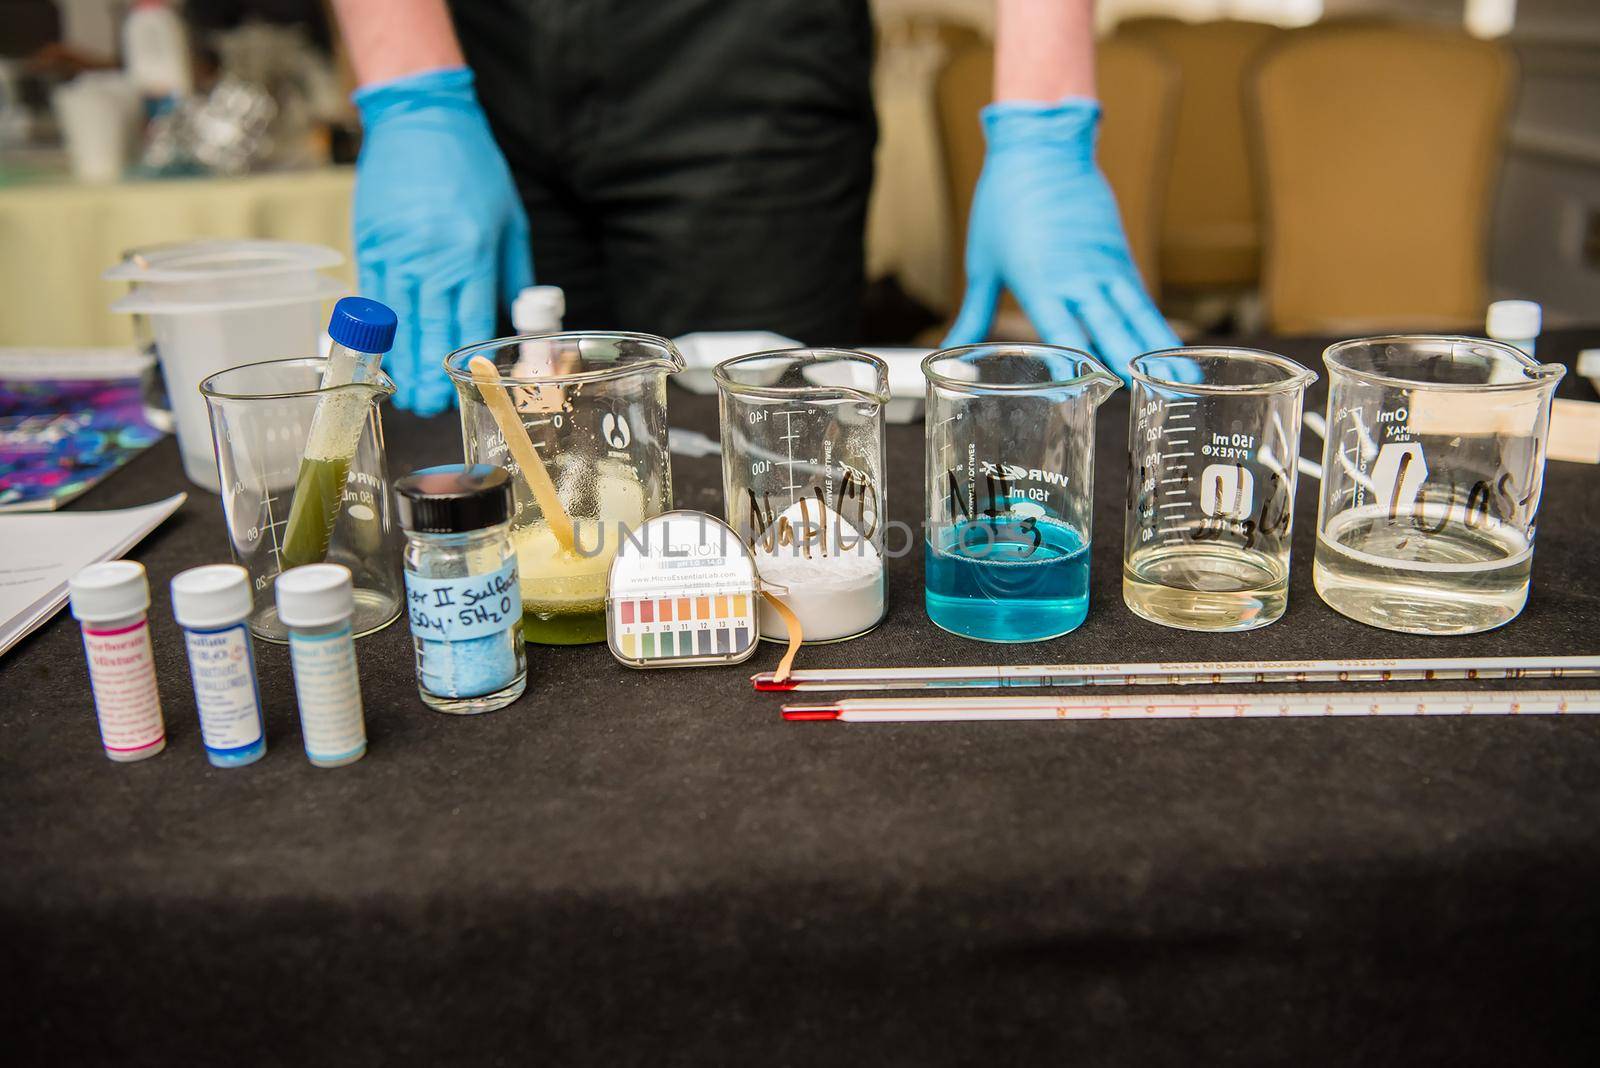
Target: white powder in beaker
826	572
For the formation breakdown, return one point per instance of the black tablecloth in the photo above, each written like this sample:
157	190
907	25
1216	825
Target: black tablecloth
630	867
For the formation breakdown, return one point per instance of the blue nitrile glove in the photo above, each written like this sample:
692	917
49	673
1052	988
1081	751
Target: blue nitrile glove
1045	225
437	224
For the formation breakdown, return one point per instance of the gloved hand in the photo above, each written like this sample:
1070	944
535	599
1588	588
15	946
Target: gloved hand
1045	225
437	224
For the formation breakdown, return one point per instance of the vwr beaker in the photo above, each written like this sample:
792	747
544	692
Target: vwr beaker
1010	435
802	483
594	406
1211	476
260	421
1432	470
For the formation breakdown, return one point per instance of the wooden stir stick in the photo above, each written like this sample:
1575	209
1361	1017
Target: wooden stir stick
534	472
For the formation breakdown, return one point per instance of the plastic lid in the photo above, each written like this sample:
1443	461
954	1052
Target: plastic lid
538	308
1514	320
115	589
362	324
1589	363
214	595
453	498
315	595
195	261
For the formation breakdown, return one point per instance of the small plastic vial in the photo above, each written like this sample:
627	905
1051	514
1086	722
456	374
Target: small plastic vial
538	310
462	593
211	604
111	602
315	601
1515	322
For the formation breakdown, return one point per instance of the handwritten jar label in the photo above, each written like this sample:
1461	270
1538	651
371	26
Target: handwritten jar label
465	607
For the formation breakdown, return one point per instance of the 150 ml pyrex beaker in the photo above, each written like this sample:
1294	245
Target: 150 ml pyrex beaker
1211	476
1010	434
261	417
1432	470
802	483
594	406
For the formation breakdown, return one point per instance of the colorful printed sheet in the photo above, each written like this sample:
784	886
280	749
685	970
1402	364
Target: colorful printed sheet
58	437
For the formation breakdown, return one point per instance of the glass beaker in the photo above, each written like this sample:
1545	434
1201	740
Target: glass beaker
1432	470
802	483
594	407
1010	479
1211	477
260	420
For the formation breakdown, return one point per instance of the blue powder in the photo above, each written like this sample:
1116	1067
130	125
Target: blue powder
469	668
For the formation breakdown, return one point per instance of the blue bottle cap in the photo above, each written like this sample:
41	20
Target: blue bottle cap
362	324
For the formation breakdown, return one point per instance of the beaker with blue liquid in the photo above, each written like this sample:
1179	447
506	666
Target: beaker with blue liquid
1010	470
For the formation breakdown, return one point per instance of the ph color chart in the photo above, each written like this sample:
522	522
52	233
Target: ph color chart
719	625
682	592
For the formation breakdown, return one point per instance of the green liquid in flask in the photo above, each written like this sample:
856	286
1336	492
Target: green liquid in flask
318	497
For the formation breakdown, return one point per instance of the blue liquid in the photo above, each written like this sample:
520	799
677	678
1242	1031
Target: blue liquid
1008	580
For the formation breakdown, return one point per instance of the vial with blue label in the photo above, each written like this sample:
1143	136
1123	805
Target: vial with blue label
462	594
211	604
316	601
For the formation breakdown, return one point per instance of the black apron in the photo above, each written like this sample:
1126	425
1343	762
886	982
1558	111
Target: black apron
687	164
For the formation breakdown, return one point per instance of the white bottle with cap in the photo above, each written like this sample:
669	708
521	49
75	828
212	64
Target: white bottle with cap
538	310
315	601
1515	322
111	601
211	604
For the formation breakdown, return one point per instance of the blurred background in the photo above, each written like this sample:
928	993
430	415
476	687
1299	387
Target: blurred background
1283	166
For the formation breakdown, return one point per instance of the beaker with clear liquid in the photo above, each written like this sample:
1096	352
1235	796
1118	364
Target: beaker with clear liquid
1211	481
261	415
1432	472
1010	488
594	406
802	483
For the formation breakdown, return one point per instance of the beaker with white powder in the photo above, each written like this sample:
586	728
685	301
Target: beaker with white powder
802	478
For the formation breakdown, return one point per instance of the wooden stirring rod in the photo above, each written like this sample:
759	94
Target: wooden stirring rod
487	377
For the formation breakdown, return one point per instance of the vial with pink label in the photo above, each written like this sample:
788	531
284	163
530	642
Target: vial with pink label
110	602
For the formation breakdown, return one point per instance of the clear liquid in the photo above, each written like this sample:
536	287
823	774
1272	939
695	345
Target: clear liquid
1459	580
1000	581
1206	587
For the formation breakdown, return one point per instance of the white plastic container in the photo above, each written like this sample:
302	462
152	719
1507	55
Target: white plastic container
111	600
211	305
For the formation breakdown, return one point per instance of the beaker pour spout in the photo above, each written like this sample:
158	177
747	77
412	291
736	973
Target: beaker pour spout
1100	385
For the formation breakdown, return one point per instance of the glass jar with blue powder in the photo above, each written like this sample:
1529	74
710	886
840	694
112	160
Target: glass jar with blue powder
462	595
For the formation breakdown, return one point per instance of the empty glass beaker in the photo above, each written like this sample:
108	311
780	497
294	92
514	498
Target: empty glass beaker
1432	470
1010	477
260	421
802	483
593	406
1211	476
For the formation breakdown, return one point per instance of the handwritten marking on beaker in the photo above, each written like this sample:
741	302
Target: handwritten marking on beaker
1227	490
1399	473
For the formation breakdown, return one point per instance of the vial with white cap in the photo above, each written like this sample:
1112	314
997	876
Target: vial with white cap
211	604
315	602
111	601
538	310
1515	322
